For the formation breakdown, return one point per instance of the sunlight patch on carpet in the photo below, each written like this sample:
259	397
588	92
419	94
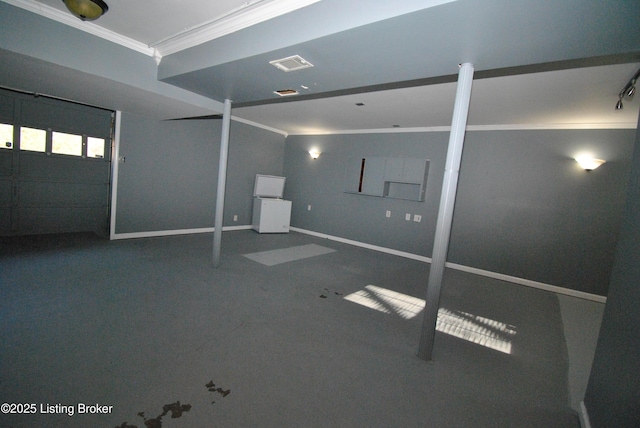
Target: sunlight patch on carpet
463	325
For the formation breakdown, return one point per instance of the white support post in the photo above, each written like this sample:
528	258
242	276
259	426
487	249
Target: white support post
115	172
445	212
222	182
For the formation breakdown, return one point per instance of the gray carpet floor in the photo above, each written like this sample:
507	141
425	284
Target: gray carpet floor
152	329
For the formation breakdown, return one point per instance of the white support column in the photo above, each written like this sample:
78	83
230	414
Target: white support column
222	182
115	171
445	212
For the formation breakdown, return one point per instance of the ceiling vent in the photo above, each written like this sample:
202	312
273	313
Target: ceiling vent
286	92
291	63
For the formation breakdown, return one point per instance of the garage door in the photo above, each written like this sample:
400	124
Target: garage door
54	166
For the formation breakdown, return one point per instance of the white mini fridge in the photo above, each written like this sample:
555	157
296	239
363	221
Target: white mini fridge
271	213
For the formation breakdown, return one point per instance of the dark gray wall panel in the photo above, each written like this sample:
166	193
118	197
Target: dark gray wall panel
6	163
54	193
6	189
58	193
36	193
62	219
6	108
169	178
613	395
62	194
65	117
62	167
5	223
524	207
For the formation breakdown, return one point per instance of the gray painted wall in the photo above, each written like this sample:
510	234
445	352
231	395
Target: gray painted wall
524	207
613	394
169	178
320	183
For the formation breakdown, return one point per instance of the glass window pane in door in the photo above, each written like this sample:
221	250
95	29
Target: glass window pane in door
6	136
34	140
95	147
66	144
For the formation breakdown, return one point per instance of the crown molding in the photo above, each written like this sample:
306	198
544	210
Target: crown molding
259	125
234	21
88	27
498	127
551	126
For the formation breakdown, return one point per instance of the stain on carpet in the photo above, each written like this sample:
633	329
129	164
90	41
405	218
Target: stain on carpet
211	387
324	295
175	409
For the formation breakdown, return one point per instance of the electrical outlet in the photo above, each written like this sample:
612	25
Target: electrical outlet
308	207
388	214
235	217
417	218
407	216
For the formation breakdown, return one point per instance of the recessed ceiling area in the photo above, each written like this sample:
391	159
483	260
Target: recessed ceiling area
574	98
393	58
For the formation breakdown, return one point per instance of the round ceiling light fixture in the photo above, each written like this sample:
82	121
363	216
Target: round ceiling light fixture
87	10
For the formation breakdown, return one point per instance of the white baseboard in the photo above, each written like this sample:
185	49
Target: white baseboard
489	274
584	416
530	283
244	227
364	245
157	233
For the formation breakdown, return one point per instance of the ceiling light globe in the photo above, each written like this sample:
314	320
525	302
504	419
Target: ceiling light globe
87	10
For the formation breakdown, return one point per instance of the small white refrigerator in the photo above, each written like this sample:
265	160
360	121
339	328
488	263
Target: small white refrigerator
271	213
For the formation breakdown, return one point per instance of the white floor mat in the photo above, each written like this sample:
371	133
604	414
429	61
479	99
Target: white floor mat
284	255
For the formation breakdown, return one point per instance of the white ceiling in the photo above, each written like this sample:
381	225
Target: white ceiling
162	19
578	98
582	97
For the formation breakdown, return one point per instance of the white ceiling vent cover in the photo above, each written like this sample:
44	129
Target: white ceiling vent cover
291	63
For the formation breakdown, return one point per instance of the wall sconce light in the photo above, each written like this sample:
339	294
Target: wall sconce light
588	163
87	10
314	154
